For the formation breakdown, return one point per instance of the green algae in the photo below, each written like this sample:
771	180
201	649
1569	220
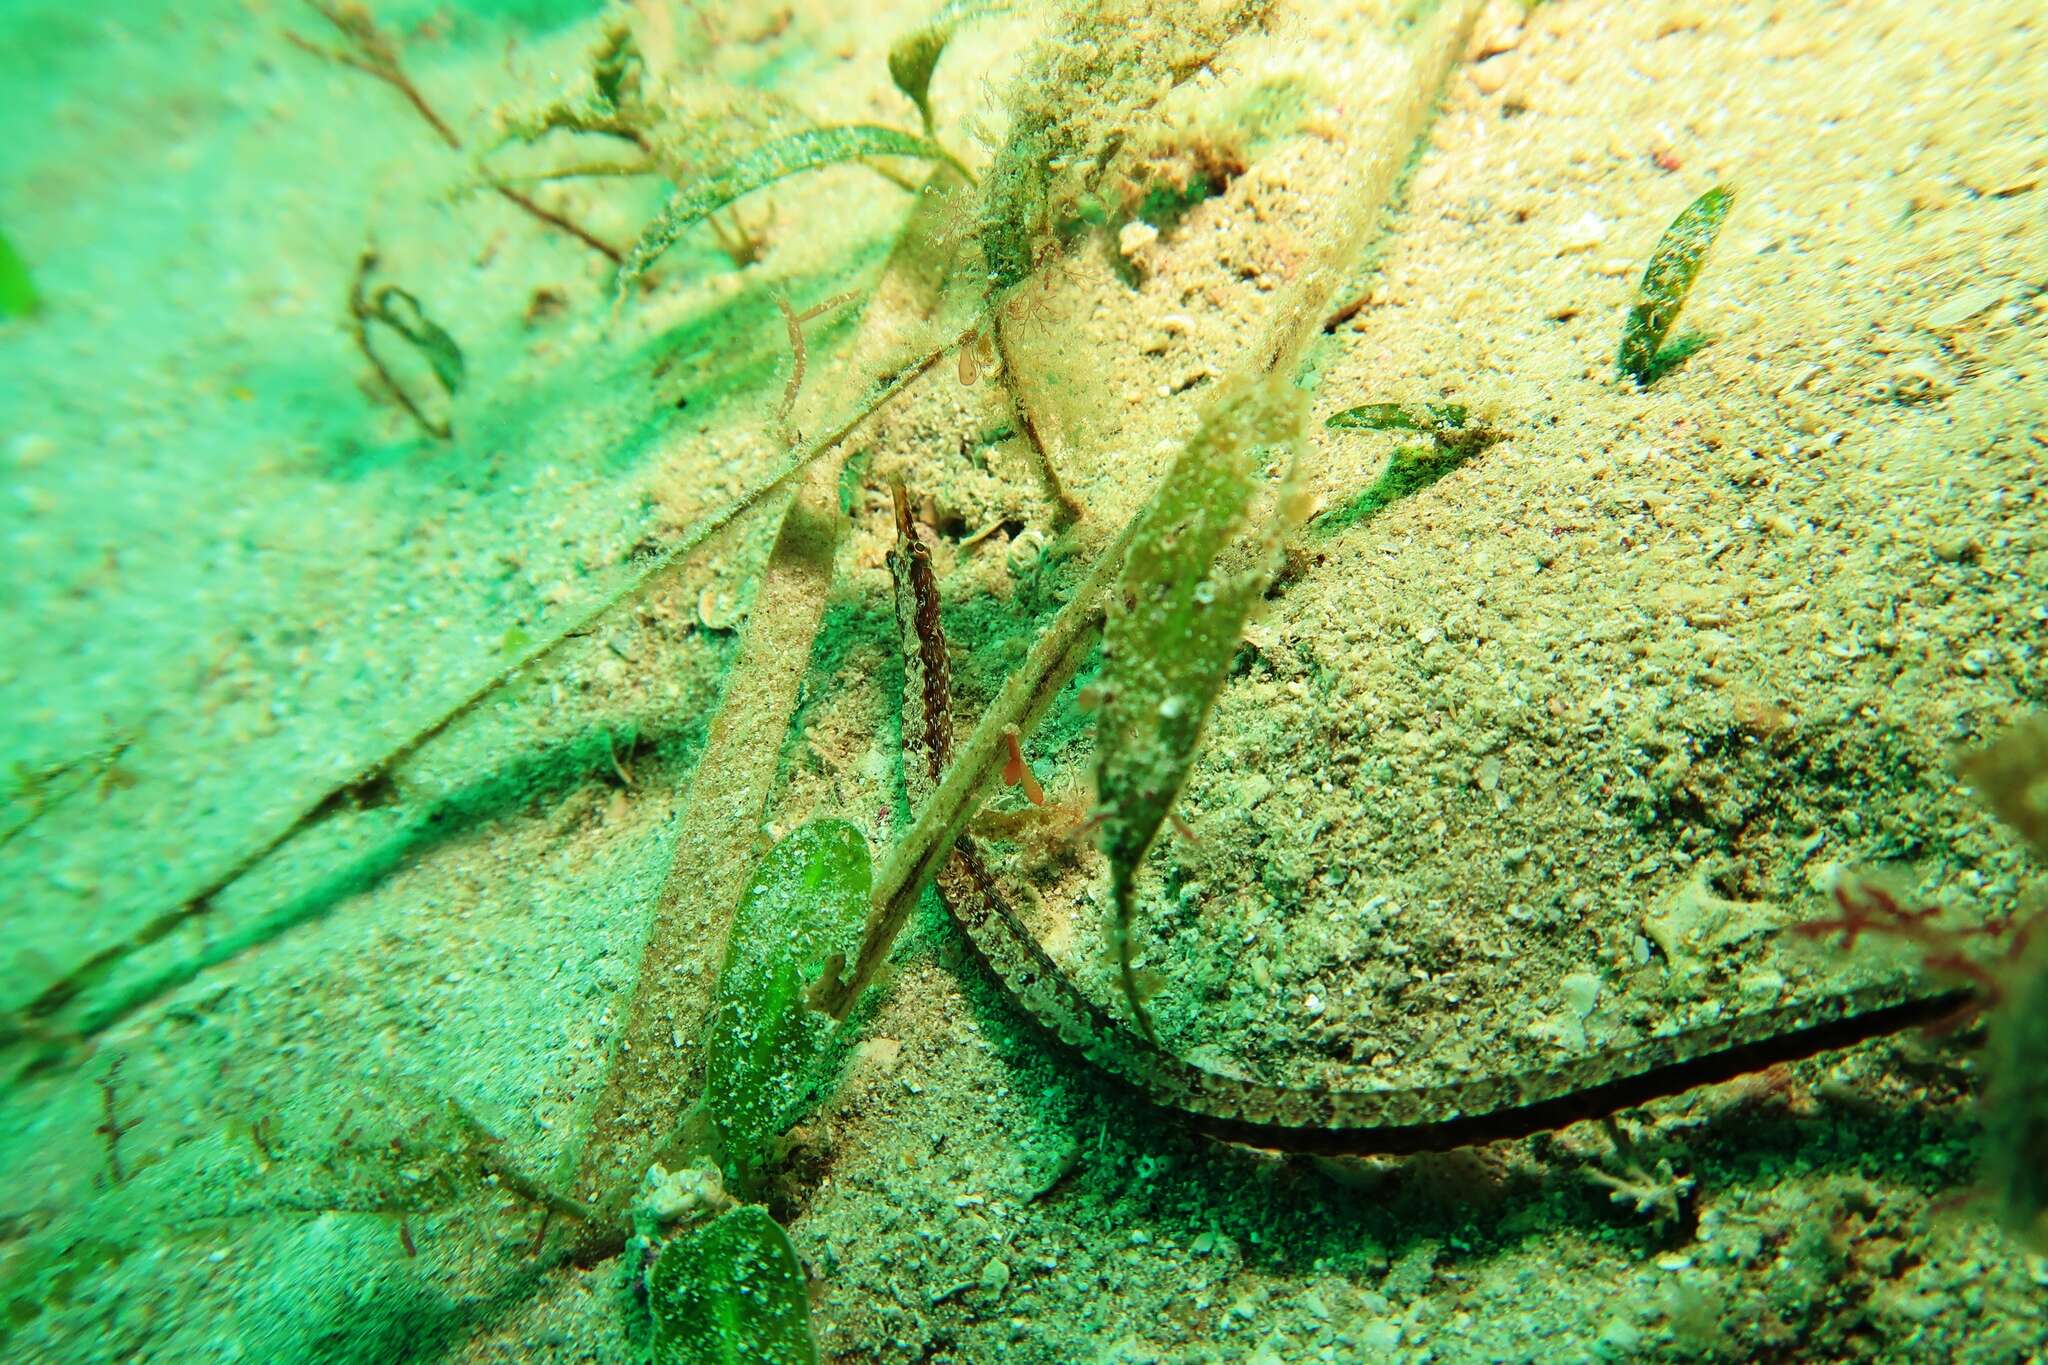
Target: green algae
731	1292
1176	616
2011	776
18	298
2016	1104
47	1278
797	922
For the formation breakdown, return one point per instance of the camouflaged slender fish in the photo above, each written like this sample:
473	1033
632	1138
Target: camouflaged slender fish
1336	1120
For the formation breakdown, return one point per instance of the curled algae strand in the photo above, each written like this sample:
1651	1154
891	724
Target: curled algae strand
1668	278
400	311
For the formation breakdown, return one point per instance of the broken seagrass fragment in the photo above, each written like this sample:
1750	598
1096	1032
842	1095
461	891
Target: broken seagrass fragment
1668	278
1427	417
731	1293
1175	618
915	56
771	161
1413	467
799	920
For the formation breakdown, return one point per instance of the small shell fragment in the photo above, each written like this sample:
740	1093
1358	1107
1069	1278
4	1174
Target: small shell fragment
718	608
1963	307
1586	233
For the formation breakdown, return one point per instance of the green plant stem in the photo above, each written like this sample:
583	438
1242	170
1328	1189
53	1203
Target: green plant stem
1053	661
643	1096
